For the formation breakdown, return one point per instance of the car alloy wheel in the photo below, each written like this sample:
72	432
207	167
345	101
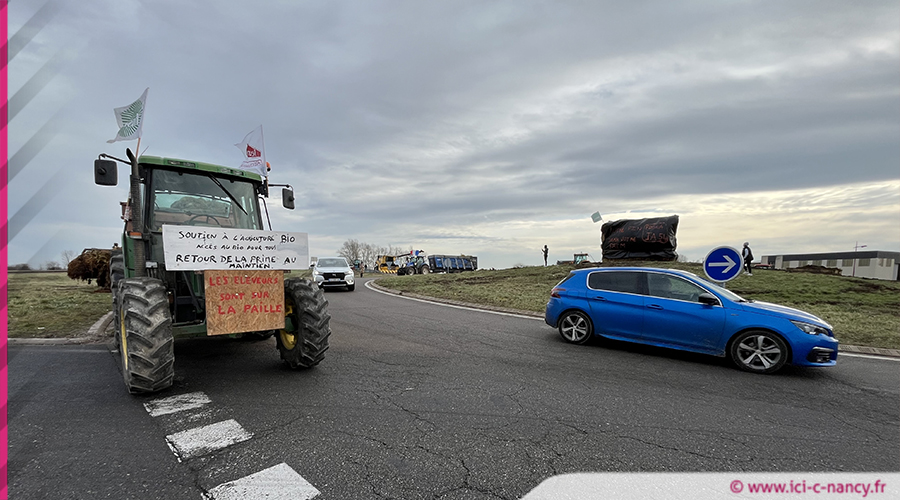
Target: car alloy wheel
575	327
759	352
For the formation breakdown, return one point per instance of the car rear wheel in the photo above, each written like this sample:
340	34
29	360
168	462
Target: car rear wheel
575	327
759	351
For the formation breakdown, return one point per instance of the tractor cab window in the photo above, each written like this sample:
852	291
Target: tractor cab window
196	199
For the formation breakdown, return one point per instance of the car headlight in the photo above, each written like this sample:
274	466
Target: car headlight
811	328
350	273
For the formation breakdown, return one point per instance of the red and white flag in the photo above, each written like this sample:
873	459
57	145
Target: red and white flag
254	152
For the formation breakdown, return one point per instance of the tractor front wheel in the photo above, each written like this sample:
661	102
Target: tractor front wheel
116	271
144	335
304	340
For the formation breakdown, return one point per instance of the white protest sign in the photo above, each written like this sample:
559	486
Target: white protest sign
192	248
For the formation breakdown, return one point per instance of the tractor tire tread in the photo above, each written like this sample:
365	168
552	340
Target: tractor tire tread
312	320
148	365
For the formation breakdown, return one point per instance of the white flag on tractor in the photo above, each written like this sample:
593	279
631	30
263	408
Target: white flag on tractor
131	119
254	152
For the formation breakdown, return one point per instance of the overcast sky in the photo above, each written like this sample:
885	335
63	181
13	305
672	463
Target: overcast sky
486	128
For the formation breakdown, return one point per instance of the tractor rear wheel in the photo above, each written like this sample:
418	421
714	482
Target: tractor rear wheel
144	335
304	340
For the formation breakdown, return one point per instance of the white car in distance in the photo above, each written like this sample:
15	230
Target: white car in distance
333	272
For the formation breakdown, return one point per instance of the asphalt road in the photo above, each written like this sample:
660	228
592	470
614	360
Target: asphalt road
417	400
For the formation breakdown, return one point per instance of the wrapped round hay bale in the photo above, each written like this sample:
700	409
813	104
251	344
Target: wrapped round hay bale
644	239
92	264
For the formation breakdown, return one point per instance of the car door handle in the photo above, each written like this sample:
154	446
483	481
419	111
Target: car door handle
599	298
654	306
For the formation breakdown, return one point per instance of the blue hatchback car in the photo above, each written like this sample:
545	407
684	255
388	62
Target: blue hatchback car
680	310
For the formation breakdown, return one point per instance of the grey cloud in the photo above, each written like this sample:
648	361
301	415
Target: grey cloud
456	111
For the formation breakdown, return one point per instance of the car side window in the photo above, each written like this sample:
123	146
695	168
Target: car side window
616	281
673	287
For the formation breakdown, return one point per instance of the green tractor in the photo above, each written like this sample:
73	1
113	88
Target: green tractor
153	305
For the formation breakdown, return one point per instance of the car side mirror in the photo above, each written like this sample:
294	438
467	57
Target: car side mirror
708	299
287	198
106	172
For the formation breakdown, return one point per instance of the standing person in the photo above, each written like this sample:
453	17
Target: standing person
546	251
748	258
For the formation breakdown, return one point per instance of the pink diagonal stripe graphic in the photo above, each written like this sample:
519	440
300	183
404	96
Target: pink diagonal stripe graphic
4	256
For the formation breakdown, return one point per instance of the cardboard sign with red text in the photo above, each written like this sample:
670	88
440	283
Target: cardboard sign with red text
243	301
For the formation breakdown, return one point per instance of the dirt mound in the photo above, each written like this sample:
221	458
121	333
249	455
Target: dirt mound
815	270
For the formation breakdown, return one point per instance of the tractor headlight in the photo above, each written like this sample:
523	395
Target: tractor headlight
811	328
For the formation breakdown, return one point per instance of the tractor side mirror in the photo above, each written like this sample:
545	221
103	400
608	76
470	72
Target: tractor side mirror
287	198
106	172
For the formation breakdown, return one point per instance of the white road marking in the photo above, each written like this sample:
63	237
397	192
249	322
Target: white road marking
522	316
174	404
842	354
280	482
202	440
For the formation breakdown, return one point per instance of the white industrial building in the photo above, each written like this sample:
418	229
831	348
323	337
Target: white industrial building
870	264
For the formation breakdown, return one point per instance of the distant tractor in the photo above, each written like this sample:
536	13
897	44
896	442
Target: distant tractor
416	262
578	258
226	277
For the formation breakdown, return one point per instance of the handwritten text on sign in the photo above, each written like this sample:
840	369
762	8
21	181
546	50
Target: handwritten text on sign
243	301
191	248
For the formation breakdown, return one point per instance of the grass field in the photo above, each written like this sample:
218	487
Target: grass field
863	312
46	305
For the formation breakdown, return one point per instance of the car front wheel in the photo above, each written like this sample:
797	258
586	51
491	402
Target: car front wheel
759	351
575	327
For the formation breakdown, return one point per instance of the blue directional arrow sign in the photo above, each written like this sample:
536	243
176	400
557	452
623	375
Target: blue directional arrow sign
723	264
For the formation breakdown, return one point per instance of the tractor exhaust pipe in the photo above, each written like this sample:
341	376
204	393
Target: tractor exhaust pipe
137	218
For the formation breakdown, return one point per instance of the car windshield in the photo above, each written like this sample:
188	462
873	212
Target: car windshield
332	263
198	200
728	294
